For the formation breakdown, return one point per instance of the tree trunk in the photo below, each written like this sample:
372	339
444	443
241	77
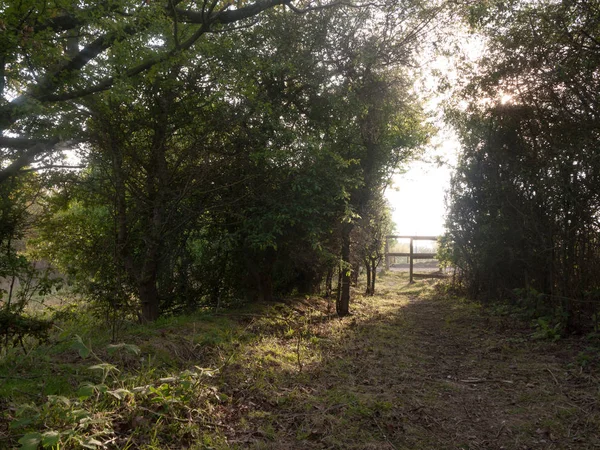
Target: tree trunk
123	255
329	283
373	275
355	272
148	290
266	286
149	298
339	282
368	267
343	304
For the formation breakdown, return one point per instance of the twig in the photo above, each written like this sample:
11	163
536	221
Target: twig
385	435
15	377
31	394
555	380
299	341
500	431
484	380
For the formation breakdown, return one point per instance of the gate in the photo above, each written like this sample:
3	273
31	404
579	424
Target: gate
411	254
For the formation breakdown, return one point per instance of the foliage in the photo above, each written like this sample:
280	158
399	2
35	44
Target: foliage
525	195
54	54
235	174
369	238
20	278
76	421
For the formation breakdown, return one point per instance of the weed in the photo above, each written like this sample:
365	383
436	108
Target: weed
545	330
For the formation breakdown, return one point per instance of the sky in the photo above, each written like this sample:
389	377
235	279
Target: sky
417	195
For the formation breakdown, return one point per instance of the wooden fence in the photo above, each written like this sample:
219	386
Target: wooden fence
411	254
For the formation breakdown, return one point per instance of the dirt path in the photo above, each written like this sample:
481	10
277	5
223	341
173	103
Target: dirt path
411	370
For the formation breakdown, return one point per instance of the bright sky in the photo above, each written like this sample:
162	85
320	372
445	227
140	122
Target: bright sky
417	196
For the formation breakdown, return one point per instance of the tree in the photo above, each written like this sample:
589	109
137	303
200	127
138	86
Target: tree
525	196
54	54
383	126
173	156
20	279
369	237
227	175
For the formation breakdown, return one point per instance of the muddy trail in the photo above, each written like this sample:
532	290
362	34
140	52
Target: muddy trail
415	369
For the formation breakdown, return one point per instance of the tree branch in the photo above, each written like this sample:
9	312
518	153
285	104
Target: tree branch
43	91
228	16
52	166
24	159
27	157
328	6
242	13
22	143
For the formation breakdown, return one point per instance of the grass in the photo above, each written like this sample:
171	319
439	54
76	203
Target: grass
411	368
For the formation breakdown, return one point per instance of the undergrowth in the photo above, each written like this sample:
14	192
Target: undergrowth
168	384
292	375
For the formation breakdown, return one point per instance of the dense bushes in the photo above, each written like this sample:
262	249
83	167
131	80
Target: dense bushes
253	170
525	199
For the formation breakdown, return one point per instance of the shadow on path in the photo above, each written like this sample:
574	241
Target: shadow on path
414	370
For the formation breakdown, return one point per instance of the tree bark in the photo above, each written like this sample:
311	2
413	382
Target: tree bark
149	298
343	304
266	286
329	283
157	183
373	275
148	290
355	272
368	267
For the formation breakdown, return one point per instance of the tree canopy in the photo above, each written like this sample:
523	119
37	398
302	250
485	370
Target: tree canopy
54	54
228	151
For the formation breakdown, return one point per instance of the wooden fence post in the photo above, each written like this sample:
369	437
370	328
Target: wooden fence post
411	261
387	256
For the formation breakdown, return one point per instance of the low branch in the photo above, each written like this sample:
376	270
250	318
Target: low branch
43	92
242	13
52	166
28	156
22	143
328	6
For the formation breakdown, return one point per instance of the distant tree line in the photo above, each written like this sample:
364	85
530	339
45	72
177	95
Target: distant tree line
524	207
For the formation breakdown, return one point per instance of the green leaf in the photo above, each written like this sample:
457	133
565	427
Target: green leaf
105	367
85	391
50	438
19	423
80	414
112	348
119	393
78	345
54	399
30	441
91	443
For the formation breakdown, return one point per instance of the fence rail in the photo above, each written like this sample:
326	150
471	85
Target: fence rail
411	255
